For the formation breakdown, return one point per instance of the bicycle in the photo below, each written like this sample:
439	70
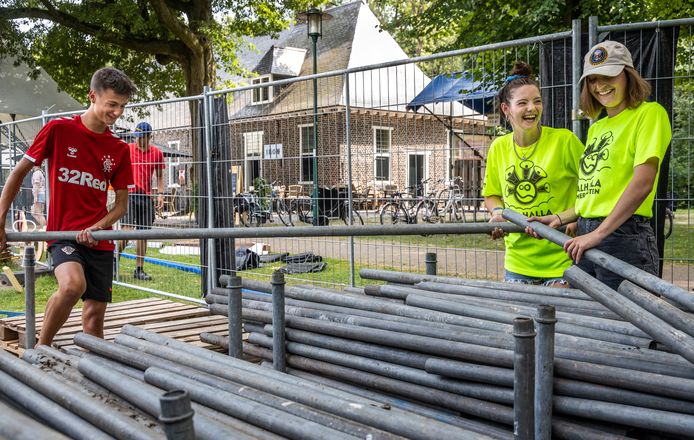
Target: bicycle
452	199
332	204
254	210
401	209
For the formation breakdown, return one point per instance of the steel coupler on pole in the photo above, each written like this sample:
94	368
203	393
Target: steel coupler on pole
177	415
430	262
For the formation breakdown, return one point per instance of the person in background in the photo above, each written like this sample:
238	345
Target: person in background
38	191
619	169
532	170
147	160
84	157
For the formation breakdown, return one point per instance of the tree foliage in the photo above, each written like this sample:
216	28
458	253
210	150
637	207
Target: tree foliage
166	46
429	26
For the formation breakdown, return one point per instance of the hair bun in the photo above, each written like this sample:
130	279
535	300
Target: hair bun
521	68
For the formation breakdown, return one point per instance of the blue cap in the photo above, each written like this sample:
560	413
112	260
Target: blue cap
142	129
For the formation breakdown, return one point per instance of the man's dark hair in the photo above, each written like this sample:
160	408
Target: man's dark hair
111	78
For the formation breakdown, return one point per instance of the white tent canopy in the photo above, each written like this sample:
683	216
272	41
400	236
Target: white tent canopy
25	97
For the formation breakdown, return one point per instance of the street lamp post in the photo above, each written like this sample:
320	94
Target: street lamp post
315	29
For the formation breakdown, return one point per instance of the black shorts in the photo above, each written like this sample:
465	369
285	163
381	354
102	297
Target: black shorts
97	265
140	213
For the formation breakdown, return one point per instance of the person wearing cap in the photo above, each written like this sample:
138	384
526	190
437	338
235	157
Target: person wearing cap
147	160
619	168
532	170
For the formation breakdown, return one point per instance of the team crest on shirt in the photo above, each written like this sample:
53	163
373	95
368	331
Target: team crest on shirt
108	163
72	152
67	250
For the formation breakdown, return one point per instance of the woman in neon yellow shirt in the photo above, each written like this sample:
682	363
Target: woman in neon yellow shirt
532	170
619	169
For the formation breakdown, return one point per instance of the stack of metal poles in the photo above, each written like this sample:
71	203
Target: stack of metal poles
450	343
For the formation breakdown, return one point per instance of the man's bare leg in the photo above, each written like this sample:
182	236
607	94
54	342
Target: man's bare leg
93	315
71	286
140	251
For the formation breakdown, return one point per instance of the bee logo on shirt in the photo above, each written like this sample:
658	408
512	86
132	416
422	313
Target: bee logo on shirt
72	152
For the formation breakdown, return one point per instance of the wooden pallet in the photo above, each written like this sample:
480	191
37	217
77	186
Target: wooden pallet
184	322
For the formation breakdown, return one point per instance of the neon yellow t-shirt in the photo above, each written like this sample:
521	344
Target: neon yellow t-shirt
615	146
544	183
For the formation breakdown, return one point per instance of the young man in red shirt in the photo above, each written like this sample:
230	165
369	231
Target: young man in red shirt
84	157
146	160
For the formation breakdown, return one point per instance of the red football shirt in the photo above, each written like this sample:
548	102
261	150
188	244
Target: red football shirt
81	165
144	164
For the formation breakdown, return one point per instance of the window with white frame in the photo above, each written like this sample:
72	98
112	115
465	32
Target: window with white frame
261	94
253	152
382	144
172	165
307	153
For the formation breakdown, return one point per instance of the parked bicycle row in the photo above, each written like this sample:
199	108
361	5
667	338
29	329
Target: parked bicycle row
267	205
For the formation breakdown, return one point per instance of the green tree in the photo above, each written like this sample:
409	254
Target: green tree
166	46
453	24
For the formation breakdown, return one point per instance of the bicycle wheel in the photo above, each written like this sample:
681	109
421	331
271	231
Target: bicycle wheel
255	215
284	213
392	214
356	218
427	211
442	199
303	210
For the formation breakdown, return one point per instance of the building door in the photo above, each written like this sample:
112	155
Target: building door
416	170
253	152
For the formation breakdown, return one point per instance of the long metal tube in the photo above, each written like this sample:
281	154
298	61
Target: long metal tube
678	341
636	380
147	397
414	278
299	231
52	414
570	347
297	409
524	379
471	391
428	411
606	261
279	353
142	361
274	420
428	302
96	413
507	295
235	317
211	254
177	415
544	371
361	411
561	386
29	264
562	428
350	194
16	426
662	309
381	306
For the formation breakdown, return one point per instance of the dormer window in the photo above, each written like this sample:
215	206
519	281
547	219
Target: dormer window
262	95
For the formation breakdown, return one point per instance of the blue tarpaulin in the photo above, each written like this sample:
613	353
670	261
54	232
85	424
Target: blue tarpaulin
456	87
